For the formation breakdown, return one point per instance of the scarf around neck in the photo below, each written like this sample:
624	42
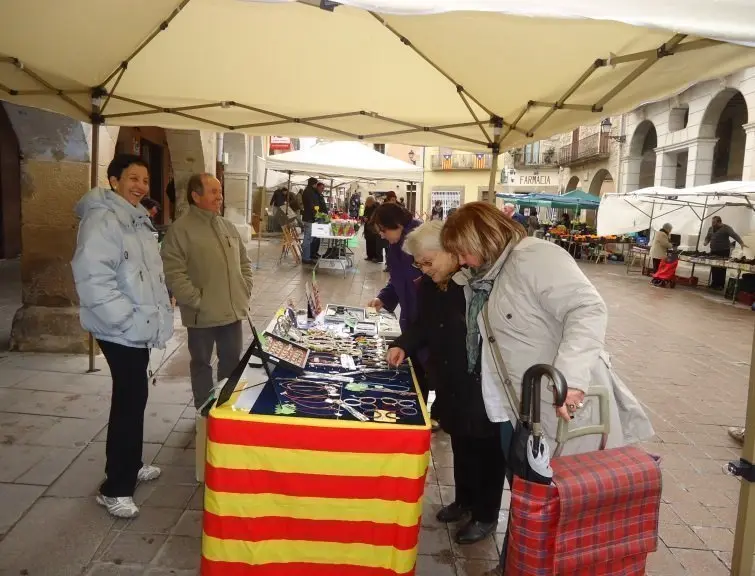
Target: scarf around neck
481	282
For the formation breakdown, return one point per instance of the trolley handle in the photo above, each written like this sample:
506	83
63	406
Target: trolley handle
564	434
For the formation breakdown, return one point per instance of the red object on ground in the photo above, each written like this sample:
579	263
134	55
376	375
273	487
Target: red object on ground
746	298
599	517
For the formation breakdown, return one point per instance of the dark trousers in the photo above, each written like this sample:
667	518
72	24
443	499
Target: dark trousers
370	244
656	263
315	249
228	339
422	381
479	472
380	246
718	274
125	431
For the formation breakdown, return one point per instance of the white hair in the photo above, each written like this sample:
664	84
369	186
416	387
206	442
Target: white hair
424	238
509	205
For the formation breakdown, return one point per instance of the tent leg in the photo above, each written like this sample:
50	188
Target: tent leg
702	219
262	207
94	181
493	174
744	536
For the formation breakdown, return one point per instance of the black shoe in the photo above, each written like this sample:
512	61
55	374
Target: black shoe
475	531
452	513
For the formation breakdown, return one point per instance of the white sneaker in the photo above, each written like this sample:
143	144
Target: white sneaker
120	506
147	473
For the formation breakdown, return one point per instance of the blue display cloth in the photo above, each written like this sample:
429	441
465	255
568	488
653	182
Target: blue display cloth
384	396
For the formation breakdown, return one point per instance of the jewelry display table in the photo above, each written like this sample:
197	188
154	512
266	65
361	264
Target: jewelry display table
300	486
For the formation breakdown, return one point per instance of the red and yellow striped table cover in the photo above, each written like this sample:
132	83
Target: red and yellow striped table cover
289	496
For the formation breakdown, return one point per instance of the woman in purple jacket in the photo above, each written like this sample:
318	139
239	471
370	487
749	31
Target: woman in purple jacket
393	222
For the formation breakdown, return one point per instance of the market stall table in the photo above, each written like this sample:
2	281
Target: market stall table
337	252
739	267
298	486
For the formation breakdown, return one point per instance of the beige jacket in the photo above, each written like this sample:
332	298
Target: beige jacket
207	269
661	245
544	310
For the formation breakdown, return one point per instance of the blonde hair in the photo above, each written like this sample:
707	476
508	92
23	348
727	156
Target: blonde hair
424	238
480	229
369	201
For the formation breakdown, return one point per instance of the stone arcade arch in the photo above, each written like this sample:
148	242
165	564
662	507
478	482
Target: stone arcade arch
642	157
723	120
602	183
573	184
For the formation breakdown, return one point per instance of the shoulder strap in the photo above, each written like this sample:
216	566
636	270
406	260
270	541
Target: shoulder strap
500	366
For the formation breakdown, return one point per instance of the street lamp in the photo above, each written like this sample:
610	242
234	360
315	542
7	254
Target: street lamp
605	128
412	157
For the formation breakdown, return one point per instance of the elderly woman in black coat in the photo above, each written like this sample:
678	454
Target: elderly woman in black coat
479	464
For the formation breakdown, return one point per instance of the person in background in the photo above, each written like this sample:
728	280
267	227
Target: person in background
402	202
719	237
533	224
393	223
354	204
371	237
279	198
520	217
311	199
441	326
124	305
390	198
437	211
661	245
210	275
566	221
151	206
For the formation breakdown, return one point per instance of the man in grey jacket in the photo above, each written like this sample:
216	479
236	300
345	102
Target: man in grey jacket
719	237
209	273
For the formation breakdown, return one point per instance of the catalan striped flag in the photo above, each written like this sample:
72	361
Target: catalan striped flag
289	496
479	162
446	163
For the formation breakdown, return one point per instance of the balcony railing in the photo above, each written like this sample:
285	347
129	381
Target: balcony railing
522	160
589	148
461	161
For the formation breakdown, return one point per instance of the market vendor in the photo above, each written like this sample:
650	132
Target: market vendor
719	238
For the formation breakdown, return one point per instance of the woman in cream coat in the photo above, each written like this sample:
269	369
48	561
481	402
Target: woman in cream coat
542	309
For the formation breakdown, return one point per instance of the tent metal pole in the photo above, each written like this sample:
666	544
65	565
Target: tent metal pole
493	174
259	230
93	181
744	535
702	219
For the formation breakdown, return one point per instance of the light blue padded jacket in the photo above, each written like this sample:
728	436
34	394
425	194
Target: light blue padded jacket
119	273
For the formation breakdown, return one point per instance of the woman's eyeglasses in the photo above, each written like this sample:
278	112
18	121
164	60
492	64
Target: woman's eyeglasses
421	265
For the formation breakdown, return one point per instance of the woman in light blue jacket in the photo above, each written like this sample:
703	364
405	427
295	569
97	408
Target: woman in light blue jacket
125	305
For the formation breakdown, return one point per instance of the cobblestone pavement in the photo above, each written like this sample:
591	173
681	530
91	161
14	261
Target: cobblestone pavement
684	353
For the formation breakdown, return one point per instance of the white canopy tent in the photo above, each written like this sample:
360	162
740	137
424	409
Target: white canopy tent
688	210
346	160
423	72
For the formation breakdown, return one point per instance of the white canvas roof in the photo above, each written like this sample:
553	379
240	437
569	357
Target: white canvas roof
347	160
682	208
421	72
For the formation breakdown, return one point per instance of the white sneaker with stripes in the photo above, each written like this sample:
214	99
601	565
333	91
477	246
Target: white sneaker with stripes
120	506
147	473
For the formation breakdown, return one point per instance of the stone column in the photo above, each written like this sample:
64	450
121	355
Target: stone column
665	169
748	172
55	174
236	180
630	169
700	162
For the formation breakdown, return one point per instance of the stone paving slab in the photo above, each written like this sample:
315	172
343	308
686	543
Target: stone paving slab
685	354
